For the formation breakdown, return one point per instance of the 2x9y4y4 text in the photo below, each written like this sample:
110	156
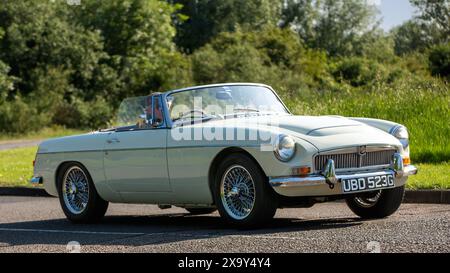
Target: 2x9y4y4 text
225	263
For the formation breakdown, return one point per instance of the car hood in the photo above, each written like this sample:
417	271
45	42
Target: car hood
309	125
331	132
324	132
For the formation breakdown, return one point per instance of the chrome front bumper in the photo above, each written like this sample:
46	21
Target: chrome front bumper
329	183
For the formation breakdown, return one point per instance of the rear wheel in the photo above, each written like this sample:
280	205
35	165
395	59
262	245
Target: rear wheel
378	204
78	196
199	211
242	193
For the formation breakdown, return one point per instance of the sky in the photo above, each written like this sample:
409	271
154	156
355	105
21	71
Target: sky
394	12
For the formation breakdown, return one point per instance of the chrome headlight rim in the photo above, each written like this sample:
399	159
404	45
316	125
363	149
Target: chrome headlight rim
401	133
284	148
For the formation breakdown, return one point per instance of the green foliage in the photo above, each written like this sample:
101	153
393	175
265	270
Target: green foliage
18	116
138	38
413	35
79	114
439	58
271	55
207	18
335	26
6	82
430	27
435	12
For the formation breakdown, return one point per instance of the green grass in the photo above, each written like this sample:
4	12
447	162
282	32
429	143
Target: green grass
50	132
16	166
431	176
16	169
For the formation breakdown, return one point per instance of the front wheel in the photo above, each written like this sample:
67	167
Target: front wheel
242	193
78	196
378	204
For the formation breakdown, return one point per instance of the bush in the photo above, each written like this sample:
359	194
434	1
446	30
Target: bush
359	71
79	114
439	58
18	116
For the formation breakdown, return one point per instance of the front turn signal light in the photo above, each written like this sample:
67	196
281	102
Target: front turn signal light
301	171
406	161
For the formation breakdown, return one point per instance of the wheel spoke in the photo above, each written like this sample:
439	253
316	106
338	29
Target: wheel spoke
75	190
238	192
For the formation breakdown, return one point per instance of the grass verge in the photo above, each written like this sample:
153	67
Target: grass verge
16	166
16	169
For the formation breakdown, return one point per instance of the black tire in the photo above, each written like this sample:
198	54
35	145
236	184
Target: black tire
96	207
387	204
199	211
265	202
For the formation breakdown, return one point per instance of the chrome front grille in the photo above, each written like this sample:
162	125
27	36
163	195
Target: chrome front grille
355	160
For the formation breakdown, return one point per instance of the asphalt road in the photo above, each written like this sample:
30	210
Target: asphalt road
13	144
35	224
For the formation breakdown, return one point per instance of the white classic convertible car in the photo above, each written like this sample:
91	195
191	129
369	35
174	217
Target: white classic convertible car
232	147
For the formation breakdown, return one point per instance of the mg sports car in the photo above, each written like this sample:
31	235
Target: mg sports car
235	148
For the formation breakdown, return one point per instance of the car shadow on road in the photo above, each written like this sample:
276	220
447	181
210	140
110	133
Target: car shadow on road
155	229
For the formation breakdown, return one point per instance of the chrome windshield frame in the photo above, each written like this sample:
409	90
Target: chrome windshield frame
168	120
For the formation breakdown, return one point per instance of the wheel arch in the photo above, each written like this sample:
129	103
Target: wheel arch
222	155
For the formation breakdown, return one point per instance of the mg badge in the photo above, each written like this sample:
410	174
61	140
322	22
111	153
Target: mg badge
362	150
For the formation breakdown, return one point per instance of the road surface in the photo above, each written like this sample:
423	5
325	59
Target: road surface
13	144
37	224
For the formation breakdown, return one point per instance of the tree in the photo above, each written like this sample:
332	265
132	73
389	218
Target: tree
38	37
6	82
414	35
435	12
336	26
138	38
204	19
439	59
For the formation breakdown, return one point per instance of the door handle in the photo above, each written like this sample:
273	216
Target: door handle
114	140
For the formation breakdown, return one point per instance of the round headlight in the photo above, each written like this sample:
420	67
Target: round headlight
284	148
401	133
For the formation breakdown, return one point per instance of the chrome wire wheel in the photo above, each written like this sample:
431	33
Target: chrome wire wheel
368	202
75	190
237	191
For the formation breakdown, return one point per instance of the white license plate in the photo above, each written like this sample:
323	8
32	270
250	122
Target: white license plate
376	182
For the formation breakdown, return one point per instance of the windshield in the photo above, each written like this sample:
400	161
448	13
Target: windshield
222	102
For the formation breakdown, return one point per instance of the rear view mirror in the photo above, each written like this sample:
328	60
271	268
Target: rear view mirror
223	95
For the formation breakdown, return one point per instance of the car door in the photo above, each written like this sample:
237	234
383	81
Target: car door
135	160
